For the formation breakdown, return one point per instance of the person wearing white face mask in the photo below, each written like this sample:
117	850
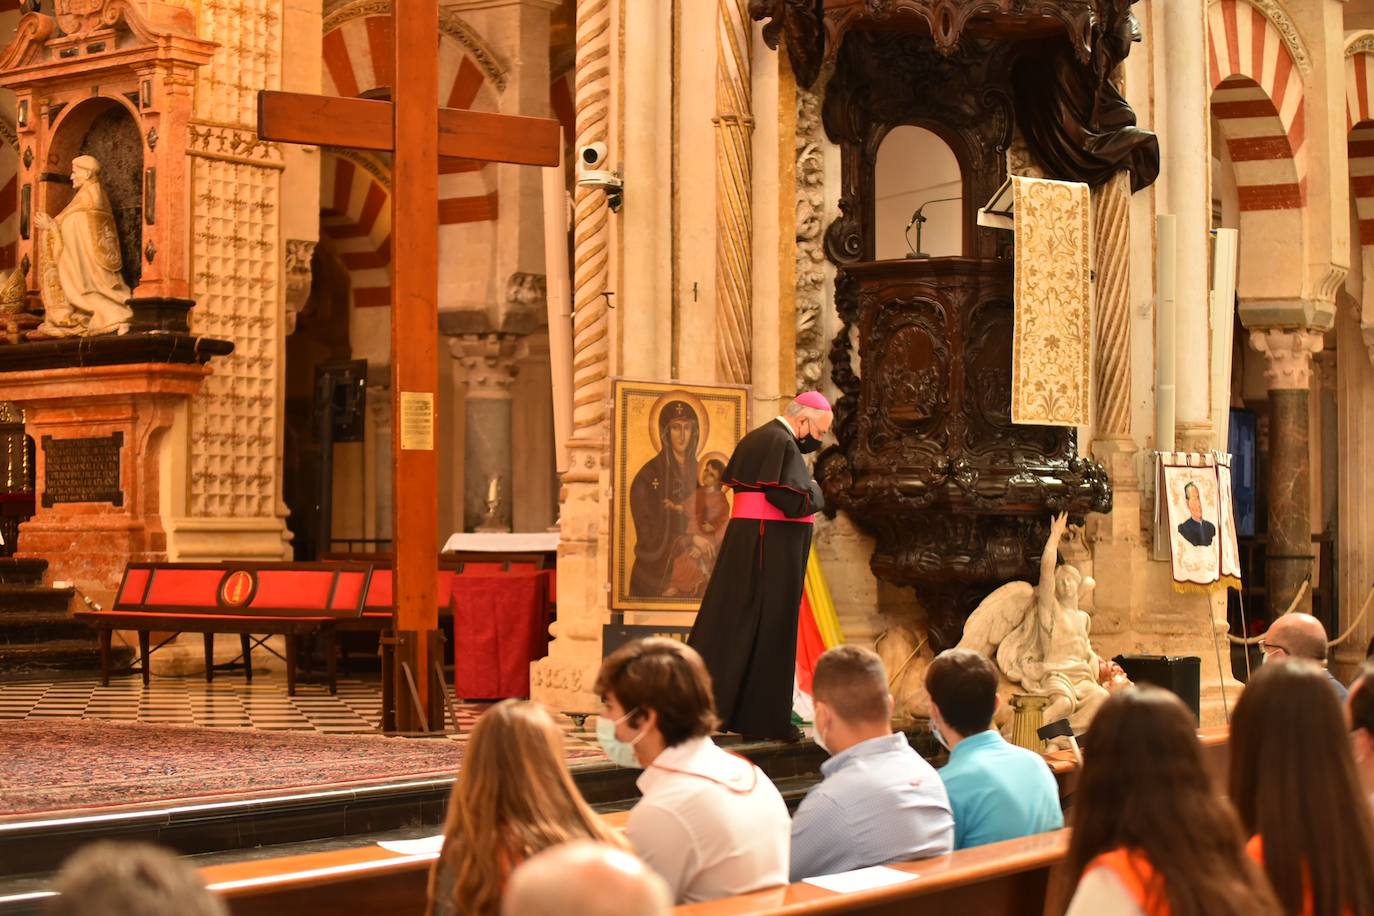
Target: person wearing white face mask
1359	711
880	801
997	791
710	822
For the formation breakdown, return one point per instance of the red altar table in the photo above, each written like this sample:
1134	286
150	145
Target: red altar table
500	625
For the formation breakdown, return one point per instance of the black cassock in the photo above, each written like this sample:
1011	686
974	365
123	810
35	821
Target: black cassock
746	629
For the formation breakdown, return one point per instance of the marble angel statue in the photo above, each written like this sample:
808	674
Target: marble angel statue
83	291
1038	638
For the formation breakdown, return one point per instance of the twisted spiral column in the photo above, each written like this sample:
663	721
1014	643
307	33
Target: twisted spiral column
591	232
1111	263
734	220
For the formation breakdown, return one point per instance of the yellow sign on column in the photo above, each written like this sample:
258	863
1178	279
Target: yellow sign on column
417	421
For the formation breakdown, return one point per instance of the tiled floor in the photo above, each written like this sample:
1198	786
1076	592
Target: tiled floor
227	702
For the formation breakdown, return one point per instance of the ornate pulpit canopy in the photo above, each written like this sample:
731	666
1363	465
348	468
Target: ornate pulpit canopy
957	497
815	29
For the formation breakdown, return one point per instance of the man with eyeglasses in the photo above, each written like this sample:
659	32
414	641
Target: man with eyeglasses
1300	636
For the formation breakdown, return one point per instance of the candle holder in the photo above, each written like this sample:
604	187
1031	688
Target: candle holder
493	522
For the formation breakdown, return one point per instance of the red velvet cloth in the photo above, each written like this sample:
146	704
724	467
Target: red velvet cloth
500	625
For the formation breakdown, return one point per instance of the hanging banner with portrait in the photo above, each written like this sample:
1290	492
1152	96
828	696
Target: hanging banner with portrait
670	444
1195	516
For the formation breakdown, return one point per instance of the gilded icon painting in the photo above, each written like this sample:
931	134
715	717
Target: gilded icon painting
670	448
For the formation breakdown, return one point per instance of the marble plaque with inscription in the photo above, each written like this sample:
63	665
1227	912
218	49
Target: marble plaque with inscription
82	470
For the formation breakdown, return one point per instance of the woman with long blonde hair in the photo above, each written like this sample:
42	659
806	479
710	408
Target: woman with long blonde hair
513	798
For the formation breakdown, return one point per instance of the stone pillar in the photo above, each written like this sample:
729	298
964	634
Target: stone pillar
377	457
1114	537
490	361
564	679
1355	493
1288	354
1187	195
734	122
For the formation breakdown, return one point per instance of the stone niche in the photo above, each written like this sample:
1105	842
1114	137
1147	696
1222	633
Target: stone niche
110	79
113	80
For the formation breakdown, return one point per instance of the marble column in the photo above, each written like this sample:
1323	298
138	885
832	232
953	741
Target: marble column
377	457
1187	194
1288	355
491	363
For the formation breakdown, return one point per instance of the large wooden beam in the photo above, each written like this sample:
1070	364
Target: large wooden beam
414	357
297	117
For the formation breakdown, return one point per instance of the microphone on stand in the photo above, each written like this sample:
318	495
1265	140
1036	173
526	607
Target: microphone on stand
918	219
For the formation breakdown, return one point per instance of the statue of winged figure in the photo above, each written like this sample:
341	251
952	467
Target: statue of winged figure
1038	637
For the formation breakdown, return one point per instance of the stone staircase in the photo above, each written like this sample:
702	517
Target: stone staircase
38	634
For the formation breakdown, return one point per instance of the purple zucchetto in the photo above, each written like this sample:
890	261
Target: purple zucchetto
814	400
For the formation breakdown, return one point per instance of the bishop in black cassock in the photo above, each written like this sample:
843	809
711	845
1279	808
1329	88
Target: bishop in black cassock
746	630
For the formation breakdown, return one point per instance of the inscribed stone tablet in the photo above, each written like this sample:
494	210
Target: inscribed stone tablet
82	470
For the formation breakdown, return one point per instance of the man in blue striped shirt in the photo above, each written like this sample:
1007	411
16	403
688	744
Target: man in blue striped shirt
879	801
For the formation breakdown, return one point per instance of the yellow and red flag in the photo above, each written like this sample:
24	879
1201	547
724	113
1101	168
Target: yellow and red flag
818	629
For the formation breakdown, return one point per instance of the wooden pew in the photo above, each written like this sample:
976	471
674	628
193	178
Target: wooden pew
1000	879
1009	878
364	879
1003	878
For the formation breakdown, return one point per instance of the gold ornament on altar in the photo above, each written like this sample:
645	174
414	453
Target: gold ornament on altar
494	521
12	300
83	292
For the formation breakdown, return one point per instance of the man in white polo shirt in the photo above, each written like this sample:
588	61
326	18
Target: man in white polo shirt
710	822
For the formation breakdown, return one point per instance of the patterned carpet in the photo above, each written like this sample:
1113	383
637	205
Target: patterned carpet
62	765
227	702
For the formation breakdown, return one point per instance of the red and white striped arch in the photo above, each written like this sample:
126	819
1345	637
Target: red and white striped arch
357	62
1359	120
1257	99
355	216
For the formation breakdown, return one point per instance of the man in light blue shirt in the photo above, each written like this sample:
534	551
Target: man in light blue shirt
880	801
997	791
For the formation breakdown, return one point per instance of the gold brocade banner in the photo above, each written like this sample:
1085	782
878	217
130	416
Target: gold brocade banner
1195	516
1052	345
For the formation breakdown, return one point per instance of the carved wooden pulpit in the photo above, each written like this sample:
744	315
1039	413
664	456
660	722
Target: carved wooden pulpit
957	497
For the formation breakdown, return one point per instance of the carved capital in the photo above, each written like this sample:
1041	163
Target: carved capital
491	361
1288	356
298	278
526	302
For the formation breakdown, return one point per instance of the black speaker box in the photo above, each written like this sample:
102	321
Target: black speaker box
1181	674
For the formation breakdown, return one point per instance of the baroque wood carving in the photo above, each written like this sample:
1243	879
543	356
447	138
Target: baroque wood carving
815	30
957	496
884	80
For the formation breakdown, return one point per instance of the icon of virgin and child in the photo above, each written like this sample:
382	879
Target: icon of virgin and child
679	509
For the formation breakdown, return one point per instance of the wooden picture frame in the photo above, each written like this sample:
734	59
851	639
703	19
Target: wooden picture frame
668	492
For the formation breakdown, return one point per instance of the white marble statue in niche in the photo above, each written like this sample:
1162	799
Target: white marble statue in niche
1038	638
83	291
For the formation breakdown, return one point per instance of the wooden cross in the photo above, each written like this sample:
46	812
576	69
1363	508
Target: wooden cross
417	132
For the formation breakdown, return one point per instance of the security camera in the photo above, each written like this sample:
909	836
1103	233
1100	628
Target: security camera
591	173
592	155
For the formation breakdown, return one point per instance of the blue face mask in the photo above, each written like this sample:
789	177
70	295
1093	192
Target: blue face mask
939	736
622	753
